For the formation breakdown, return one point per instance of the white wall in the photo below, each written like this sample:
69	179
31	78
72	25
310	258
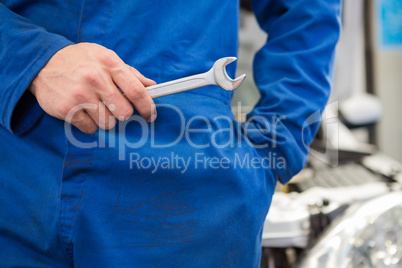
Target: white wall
388	85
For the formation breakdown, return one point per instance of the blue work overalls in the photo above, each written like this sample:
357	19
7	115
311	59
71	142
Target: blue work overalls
109	203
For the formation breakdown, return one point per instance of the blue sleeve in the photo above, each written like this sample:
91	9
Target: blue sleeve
294	74
24	50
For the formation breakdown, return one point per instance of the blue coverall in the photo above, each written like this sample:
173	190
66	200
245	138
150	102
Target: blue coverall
62	205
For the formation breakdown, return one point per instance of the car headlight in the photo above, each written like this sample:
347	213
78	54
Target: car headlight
368	235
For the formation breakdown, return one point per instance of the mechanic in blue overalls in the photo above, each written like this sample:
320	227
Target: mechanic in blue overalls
92	193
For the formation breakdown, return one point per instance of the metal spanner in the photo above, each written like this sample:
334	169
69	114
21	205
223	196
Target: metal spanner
215	76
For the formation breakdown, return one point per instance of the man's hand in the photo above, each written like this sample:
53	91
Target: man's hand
88	73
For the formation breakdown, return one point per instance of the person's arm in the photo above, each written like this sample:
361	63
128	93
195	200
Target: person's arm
24	49
40	70
294	74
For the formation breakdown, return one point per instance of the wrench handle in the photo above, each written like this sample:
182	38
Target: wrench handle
179	85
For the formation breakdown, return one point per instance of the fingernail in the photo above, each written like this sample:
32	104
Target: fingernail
152	118
152	81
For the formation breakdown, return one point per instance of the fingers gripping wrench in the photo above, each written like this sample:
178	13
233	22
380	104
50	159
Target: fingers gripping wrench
215	76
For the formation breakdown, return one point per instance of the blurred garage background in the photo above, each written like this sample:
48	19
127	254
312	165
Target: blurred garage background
345	208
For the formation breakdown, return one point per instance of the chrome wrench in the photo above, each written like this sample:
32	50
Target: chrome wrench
215	76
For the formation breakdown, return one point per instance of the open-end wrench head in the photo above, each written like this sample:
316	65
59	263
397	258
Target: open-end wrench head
221	76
